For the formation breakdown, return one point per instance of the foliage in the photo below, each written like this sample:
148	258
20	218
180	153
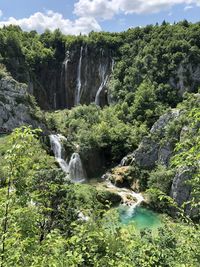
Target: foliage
89	128
188	153
161	178
39	207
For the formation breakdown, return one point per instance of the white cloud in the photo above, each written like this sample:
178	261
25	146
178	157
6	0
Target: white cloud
89	12
188	8
51	20
106	9
103	9
1	13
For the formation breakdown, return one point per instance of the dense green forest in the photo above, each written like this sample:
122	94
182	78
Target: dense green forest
156	75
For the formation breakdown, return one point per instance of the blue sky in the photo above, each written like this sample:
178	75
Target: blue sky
75	16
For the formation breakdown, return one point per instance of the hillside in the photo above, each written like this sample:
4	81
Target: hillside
95	130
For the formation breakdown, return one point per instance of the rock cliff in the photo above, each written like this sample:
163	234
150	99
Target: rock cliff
17	107
81	78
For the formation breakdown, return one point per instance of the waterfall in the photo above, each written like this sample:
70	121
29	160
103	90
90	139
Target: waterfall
104	79
78	89
75	166
113	64
56	146
65	63
130	199
76	171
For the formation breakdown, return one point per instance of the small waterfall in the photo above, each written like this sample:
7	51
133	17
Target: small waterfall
104	79
76	171
113	64
130	199
78	89
128	196
56	146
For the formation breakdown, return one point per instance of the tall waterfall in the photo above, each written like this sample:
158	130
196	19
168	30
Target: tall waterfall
65	64
76	171
56	146
78	89
104	79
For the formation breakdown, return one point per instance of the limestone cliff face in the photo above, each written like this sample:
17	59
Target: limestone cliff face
16	106
81	78
158	148
186	78
155	148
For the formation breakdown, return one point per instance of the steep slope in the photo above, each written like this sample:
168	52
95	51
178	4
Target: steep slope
17	107
152	164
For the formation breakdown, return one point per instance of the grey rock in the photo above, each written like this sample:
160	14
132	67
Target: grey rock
186	78
15	108
164	153
180	190
147	153
161	124
151	150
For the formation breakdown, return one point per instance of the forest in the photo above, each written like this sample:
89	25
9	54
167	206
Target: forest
144	138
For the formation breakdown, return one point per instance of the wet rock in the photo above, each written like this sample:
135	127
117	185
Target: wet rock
82	68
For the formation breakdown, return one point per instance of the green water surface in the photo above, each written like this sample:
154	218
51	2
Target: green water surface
141	217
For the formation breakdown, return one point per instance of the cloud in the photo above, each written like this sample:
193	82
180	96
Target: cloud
106	9
52	20
188	8
90	12
103	9
1	13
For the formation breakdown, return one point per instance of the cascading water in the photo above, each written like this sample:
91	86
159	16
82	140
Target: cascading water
56	146
130	200
104	79
65	64
78	87
75	167
113	64
76	171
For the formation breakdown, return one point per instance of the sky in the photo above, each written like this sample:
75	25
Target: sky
84	16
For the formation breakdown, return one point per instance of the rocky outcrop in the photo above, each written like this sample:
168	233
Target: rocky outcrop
155	148
17	107
181	190
186	78
158	148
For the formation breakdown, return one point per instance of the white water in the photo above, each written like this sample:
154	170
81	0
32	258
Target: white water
78	87
76	171
126	195
56	146
113	64
75	167
104	79
65	63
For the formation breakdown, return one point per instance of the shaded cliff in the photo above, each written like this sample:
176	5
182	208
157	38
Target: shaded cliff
81	78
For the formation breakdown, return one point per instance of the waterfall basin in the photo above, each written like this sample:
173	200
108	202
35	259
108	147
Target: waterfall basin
140	217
